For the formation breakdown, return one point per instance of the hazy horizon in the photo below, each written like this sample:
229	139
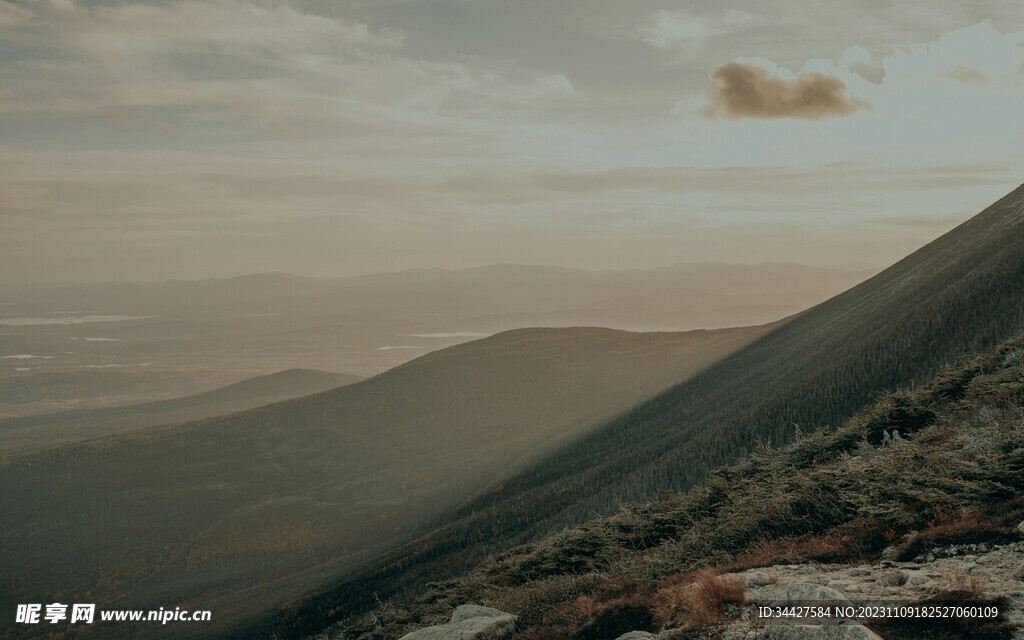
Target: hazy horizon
844	266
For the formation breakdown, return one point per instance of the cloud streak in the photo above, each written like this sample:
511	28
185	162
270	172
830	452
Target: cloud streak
270	65
674	29
747	89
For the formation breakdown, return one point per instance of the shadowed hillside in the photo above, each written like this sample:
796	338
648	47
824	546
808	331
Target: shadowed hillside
239	513
922	475
962	293
59	428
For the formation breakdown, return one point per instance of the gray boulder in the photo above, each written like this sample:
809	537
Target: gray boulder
804	593
637	635
470	611
470	622
756	579
915	578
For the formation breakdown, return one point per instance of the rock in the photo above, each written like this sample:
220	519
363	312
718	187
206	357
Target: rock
637	635
812	632
893	578
804	593
890	553
733	632
1018	573
915	578
859	572
755	579
1020	527
970	566
468	611
470	622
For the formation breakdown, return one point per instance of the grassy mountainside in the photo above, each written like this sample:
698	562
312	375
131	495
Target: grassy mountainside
962	293
62	427
239	513
954	476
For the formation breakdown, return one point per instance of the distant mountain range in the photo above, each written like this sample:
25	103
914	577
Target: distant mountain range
490	298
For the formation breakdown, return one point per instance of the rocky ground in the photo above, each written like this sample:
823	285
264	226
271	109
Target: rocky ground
991	571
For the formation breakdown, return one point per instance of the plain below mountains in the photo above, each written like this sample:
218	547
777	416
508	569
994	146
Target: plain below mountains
962	293
65	426
100	345
239	513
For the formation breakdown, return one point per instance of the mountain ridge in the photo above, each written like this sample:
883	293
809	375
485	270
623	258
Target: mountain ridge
241	511
962	293
57	428
902	504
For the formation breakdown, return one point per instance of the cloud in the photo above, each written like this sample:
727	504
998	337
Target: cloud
967	75
973	55
730	183
278	66
13	15
674	29
753	89
124	32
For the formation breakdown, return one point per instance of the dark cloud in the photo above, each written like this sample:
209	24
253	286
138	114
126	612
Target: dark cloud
741	90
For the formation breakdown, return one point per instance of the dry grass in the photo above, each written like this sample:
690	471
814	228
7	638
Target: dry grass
859	539
596	607
966	526
960	582
699	599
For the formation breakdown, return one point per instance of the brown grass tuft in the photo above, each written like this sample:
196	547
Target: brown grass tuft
960	582
963	527
700	598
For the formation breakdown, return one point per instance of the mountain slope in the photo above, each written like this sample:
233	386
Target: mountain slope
949	485
59	428
962	293
238	513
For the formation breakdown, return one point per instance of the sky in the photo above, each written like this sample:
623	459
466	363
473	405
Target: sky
192	139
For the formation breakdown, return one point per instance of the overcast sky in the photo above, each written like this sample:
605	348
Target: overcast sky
221	137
